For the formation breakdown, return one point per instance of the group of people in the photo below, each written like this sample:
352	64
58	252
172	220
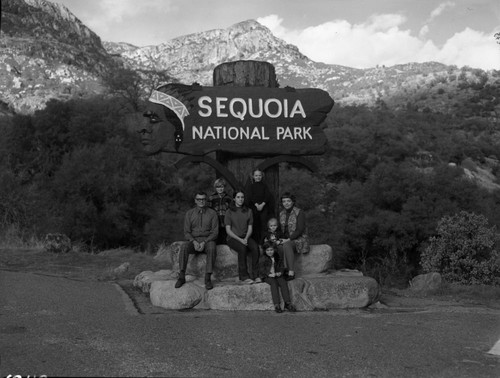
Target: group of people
246	223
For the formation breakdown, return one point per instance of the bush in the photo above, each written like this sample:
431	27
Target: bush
464	250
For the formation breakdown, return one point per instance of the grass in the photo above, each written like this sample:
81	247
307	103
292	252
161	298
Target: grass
469	293
22	251
79	265
26	254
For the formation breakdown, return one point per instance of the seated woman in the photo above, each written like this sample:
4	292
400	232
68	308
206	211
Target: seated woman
239	226
293	225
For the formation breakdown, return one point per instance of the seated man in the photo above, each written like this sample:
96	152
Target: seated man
201	227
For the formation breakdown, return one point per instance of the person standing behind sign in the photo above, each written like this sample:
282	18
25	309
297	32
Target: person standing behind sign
259	199
293	226
220	201
239	226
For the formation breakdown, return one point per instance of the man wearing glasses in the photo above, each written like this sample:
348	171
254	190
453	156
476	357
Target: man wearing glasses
201	227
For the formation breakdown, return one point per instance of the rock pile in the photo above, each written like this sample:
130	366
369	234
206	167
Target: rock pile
316	287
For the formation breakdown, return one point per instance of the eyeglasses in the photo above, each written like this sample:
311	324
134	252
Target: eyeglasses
200	199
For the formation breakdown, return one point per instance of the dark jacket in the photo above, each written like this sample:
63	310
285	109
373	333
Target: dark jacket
272	238
258	192
265	264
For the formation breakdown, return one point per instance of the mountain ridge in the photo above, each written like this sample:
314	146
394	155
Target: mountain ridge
49	53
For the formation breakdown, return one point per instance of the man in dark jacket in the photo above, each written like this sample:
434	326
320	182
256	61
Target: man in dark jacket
201	227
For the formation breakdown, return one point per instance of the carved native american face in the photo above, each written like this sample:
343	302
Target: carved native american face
157	131
163	128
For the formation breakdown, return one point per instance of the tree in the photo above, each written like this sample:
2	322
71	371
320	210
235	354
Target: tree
464	250
134	86
126	84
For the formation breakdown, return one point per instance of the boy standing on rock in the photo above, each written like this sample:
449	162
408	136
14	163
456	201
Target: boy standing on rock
201	227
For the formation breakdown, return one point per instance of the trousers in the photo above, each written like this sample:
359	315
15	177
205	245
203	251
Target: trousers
287	251
188	249
243	251
277	283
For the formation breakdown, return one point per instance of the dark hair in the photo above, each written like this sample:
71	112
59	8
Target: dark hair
232	206
287	195
201	193
276	256
267	245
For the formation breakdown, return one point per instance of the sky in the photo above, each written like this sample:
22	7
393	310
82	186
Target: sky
353	33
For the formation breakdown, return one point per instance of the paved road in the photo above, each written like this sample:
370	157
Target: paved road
59	327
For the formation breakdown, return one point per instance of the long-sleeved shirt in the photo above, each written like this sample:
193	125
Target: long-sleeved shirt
201	224
220	203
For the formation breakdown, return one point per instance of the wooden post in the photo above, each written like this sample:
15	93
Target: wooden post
248	73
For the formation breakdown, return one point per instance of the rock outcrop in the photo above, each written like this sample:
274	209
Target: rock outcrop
316	287
319	260
425	282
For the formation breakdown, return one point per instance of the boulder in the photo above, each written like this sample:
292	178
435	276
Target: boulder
122	268
348	273
226	262
144	279
237	297
299	295
164	294
165	253
317	292
331	291
425	282
57	243
318	260
315	288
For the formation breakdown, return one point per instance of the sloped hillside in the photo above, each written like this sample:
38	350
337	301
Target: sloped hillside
47	53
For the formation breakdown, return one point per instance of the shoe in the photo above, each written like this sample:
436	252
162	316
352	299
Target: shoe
181	281
258	280
209	285
290	307
278	309
248	281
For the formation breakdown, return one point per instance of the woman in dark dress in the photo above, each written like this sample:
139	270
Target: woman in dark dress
259	199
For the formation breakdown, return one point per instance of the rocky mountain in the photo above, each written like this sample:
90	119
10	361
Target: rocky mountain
48	53
192	58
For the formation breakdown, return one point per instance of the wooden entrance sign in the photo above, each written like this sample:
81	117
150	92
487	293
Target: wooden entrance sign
244	121
245	118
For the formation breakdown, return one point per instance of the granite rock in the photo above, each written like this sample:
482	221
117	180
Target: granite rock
318	260
331	291
309	293
144	279
164	294
425	282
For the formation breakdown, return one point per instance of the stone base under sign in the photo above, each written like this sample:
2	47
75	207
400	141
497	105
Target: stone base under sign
315	288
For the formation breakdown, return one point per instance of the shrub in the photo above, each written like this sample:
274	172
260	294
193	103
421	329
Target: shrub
464	250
